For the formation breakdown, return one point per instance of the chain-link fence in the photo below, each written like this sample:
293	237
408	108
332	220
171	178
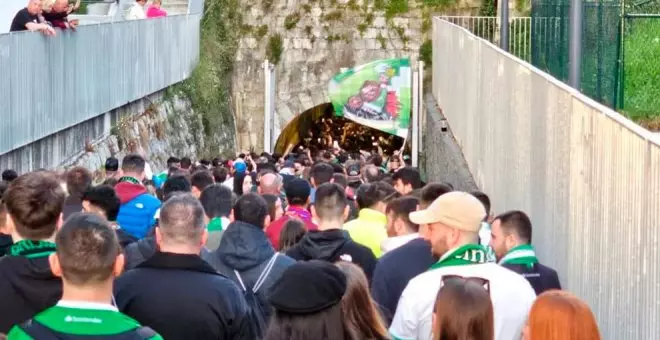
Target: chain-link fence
620	52
600	45
640	77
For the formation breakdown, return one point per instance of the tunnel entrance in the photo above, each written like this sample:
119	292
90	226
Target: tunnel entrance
319	128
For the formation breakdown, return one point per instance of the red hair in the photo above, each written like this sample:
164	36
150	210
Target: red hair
560	315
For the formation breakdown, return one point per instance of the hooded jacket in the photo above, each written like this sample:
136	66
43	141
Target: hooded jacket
137	210
332	246
27	286
246	249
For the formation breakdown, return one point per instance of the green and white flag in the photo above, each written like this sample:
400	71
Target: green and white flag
377	94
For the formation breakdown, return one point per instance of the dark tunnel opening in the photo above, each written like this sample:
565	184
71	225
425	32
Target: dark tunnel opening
318	128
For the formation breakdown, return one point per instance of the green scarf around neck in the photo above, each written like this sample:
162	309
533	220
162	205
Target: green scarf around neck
215	224
463	255
522	254
31	249
130	180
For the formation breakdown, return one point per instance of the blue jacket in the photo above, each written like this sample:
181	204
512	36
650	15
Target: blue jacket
137	210
395	269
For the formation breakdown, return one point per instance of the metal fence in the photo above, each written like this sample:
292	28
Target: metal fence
520	30
589	178
51	83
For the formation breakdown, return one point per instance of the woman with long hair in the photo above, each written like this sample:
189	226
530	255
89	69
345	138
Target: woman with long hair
463	310
360	311
306	302
242	183
560	315
292	232
274	207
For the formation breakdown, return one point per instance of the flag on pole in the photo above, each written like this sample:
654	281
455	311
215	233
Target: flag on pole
377	94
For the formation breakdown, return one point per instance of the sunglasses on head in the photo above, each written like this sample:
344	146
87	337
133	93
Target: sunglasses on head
463	279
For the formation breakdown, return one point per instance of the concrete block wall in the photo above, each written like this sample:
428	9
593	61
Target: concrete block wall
311	56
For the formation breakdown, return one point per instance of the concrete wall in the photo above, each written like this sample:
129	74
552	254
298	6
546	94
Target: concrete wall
442	158
310	59
158	126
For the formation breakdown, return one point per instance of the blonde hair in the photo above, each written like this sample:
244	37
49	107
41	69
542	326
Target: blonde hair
47	5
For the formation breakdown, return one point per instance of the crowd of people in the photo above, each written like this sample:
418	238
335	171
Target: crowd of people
324	245
46	15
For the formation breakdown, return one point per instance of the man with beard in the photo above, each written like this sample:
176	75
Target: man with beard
452	222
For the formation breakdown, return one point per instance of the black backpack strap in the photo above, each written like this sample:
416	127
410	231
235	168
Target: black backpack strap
38	331
145	332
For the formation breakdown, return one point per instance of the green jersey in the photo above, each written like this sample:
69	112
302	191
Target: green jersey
82	318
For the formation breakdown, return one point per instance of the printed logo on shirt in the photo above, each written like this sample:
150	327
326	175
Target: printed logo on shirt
70	318
346	258
139	205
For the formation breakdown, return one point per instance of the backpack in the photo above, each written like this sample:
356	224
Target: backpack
257	311
38	331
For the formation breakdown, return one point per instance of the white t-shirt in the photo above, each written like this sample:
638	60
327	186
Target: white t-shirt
135	12
511	294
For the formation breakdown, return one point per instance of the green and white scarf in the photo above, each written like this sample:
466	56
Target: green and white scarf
130	180
523	254
31	249
463	255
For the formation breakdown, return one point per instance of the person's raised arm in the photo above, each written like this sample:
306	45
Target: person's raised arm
43	28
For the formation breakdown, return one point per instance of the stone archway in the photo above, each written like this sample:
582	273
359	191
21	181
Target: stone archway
290	105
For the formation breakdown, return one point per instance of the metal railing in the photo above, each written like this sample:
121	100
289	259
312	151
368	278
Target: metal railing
51	83
520	31
588	177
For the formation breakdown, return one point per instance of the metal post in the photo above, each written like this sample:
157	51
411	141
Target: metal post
273	95
422	112
504	25
267	104
415	118
575	44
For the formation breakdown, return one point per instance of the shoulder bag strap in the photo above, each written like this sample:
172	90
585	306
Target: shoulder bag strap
265	273
238	276
36	330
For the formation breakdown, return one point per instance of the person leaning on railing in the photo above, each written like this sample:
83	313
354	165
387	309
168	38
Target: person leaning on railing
56	12
27	19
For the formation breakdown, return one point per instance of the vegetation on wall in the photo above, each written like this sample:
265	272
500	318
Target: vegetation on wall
291	20
426	52
275	48
209	87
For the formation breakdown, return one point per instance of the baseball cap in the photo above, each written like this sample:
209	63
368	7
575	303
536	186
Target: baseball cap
111	164
297	188
240	166
455	209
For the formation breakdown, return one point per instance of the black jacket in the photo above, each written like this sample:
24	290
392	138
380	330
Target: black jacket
541	278
27	287
138	252
5	243
332	246
125	238
246	249
71	206
395	269
182	297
